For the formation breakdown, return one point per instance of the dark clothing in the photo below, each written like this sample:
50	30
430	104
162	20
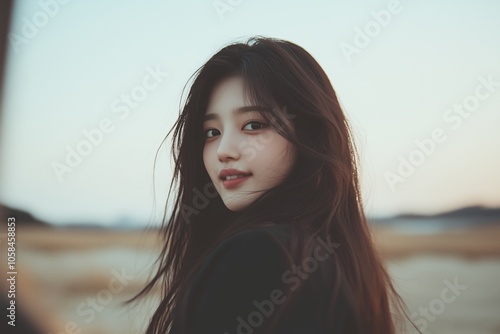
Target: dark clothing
241	285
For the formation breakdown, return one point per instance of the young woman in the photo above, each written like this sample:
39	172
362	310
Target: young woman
268	233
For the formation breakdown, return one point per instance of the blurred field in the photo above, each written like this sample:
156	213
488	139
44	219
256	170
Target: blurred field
82	275
471	243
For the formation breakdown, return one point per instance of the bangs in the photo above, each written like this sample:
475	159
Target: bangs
258	92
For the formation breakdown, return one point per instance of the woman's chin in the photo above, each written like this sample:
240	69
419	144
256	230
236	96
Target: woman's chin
236	205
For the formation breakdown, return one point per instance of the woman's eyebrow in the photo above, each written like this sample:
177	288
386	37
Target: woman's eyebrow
239	110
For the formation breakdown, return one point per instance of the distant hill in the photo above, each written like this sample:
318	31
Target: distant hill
463	216
468	216
22	217
470	212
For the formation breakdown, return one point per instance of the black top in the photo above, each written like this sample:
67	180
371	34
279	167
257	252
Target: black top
241	283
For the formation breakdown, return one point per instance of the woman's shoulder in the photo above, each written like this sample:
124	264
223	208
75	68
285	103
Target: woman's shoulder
250	257
255	241
244	268
279	231
250	268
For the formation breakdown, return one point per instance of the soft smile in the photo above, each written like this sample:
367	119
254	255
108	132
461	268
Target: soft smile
233	181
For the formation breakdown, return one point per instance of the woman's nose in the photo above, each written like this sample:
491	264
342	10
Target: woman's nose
228	147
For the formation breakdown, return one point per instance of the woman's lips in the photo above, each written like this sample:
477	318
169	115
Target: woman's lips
229	184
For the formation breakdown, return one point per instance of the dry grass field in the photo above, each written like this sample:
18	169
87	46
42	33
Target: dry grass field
79	277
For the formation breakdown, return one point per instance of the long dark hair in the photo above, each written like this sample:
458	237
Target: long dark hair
319	198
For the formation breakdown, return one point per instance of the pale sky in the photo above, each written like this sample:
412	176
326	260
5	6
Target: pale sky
70	66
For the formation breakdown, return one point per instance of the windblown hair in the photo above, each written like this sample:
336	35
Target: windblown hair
320	197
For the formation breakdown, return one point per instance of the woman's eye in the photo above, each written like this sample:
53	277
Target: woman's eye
249	126
260	125
208	132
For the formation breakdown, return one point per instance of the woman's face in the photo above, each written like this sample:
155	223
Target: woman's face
241	139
